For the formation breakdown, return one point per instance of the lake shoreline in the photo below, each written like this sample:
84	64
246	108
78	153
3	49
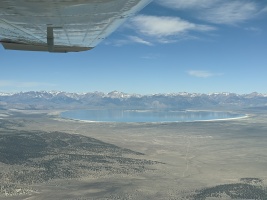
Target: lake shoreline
239	117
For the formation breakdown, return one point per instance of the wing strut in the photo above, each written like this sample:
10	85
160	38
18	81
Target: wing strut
50	38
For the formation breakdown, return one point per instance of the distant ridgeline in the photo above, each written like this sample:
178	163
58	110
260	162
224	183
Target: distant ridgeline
115	99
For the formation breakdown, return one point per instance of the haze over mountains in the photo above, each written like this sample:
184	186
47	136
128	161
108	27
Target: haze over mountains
115	99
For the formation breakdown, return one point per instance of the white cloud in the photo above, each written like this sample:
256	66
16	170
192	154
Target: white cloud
139	40
187	4
202	74
231	12
219	11
18	84
156	26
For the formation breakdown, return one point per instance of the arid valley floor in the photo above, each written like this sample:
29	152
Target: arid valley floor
45	157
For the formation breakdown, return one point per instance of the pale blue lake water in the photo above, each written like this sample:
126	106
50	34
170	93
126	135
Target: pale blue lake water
146	115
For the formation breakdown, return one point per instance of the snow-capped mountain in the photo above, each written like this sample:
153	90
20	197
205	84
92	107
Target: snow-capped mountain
182	100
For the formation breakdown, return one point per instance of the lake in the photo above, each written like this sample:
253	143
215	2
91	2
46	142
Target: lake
146	115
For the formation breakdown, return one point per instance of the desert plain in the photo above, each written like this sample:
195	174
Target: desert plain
43	156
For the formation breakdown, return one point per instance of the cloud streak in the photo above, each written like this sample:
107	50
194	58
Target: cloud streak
187	4
218	11
139	40
202	73
231	12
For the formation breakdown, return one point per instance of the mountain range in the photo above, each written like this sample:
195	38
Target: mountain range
115	99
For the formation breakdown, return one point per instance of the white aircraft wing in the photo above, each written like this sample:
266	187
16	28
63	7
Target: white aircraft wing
61	25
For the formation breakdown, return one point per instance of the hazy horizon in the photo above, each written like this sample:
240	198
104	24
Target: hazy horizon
128	93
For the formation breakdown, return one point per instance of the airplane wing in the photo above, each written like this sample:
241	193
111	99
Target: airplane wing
62	25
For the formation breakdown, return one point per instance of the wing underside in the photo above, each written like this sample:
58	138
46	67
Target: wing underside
62	25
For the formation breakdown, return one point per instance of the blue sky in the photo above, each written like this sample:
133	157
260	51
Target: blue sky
170	46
